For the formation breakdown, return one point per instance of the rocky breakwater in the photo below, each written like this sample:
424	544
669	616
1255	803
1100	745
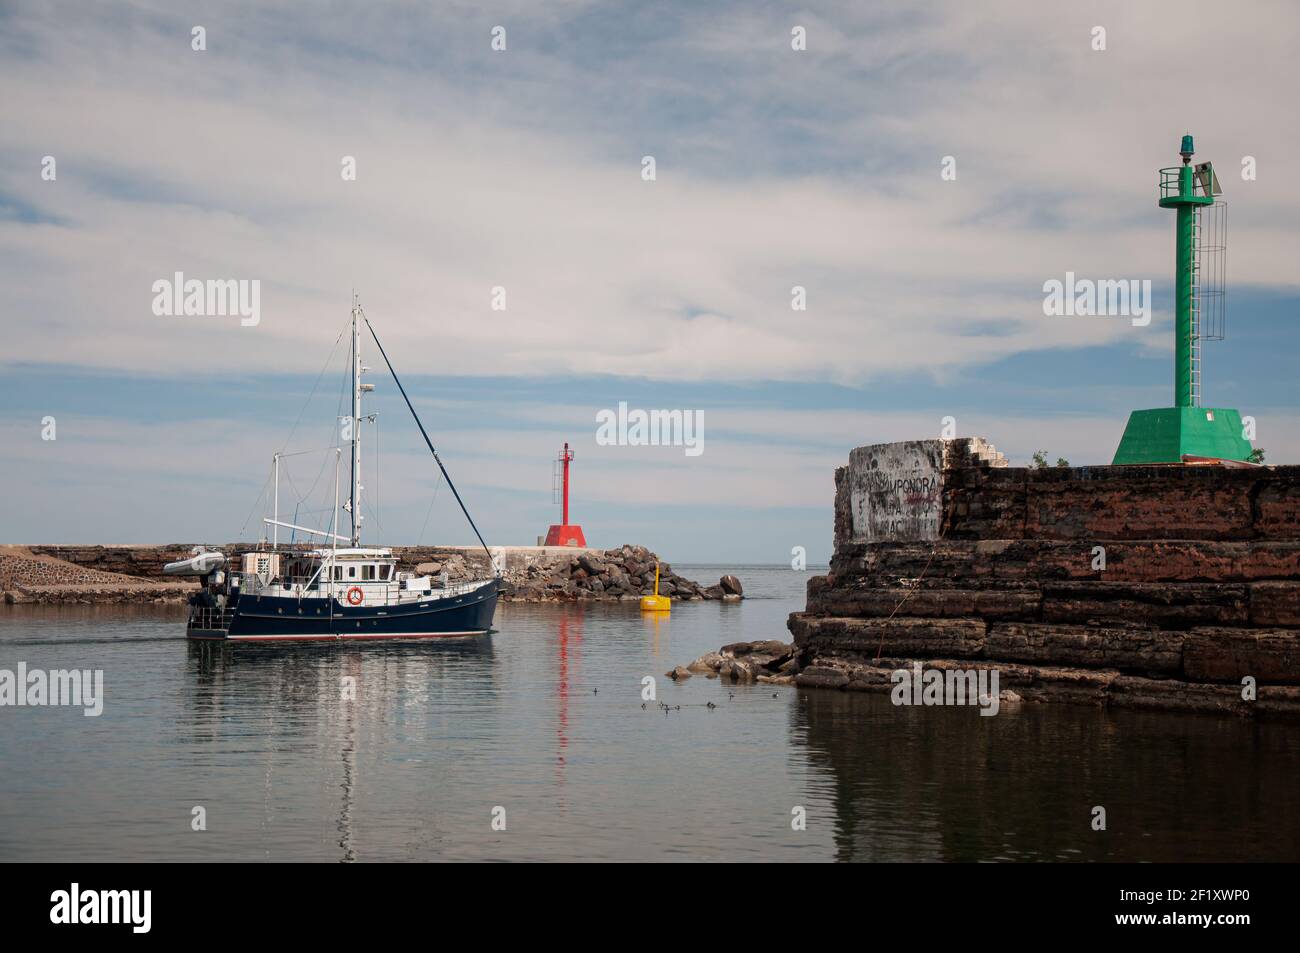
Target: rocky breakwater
531	573
561	574
1173	587
31	577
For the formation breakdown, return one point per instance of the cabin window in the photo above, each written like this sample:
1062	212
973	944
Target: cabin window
338	572
368	571
352	572
384	571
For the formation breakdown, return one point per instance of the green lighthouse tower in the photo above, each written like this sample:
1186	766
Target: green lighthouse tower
1168	434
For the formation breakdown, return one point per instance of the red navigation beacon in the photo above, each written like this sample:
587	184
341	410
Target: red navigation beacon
563	534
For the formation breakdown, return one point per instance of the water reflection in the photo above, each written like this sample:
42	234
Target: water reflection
657	626
948	784
546	719
298	697
347	754
568	645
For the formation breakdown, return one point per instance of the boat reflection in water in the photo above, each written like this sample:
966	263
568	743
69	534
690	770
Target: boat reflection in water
346	702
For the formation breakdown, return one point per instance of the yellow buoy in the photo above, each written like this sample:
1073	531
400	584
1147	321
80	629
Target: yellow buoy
656	603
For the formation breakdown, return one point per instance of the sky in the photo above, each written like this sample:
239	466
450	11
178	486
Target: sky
518	175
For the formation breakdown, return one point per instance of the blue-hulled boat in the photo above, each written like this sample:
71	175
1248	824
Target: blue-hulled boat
335	591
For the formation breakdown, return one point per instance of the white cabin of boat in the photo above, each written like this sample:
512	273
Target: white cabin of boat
354	575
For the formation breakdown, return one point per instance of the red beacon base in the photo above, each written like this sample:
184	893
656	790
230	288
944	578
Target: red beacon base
565	536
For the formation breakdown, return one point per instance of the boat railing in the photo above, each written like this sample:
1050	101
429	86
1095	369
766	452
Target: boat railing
252	582
453	589
210	617
389	591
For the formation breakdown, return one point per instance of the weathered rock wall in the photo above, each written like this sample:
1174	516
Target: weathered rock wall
27	577
1143	578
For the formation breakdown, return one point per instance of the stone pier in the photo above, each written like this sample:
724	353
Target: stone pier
1153	586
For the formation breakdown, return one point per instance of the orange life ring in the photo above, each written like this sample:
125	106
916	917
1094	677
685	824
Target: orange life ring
356	596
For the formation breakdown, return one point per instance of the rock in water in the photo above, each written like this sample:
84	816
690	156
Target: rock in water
731	584
769	661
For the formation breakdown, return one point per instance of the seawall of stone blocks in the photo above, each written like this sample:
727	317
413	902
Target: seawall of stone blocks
1162	586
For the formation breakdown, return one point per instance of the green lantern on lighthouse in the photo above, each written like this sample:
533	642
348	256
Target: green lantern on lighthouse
1187	429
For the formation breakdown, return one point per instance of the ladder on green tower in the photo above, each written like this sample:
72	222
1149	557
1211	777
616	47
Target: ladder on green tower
1196	308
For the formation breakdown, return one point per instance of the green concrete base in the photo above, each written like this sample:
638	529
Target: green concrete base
1167	434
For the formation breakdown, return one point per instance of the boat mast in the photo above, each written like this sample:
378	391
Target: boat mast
354	498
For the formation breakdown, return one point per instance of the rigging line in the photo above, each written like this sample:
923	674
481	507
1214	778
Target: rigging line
289	476
429	442
368	500
419	541
253	509
372	505
303	497
324	462
374	513
319	376
334	432
334	428
294	429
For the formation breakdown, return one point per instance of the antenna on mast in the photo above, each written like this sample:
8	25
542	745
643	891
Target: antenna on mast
353	505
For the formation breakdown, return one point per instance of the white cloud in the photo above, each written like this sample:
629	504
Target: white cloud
522	170
226	164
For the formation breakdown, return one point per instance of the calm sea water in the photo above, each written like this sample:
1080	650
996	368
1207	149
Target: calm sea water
545	720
